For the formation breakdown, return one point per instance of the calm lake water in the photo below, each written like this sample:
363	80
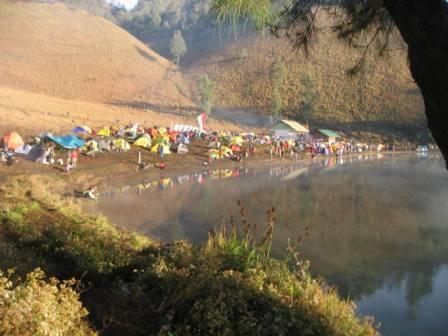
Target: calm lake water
378	226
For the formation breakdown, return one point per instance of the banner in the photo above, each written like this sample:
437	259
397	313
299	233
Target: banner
201	119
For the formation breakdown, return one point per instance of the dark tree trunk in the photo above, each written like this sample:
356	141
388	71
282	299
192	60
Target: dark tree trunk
423	25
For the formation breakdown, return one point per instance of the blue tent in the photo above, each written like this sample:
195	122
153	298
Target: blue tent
68	141
79	129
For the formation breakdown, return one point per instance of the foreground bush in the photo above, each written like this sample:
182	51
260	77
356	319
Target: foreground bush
37	307
228	286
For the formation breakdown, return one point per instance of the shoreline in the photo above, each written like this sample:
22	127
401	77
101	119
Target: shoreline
115	170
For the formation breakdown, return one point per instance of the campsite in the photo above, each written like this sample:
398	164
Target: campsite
223	167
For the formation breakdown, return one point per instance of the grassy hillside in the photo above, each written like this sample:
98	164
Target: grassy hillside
51	49
383	100
31	113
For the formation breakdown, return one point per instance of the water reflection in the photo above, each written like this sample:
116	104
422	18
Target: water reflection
378	227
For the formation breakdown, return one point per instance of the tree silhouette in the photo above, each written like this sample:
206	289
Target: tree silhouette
370	24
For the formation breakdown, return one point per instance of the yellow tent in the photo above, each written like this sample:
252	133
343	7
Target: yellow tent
122	144
166	148
104	132
236	140
225	151
161	140
143	142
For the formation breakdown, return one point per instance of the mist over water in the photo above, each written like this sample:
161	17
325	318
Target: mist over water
378	227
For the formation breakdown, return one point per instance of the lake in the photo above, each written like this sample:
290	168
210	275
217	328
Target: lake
378	225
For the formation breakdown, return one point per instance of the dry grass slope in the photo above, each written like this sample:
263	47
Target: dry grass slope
50	49
382	100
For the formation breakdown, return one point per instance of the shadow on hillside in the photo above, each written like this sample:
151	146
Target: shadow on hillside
145	55
409	131
165	109
241	116
224	61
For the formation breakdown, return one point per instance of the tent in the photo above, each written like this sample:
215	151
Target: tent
93	146
146	136
236	140
122	145
12	140
166	148
104	132
182	149
161	140
235	148
143	142
225	151
24	150
67	142
104	145
82	130
35	153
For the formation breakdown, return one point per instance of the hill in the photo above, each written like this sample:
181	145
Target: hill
382	101
55	50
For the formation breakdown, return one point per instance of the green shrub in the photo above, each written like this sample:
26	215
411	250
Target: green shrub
38	307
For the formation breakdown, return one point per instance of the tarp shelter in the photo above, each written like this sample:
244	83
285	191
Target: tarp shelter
106	132
12	140
143	142
166	148
67	142
35	153
122	145
24	150
288	128
325	135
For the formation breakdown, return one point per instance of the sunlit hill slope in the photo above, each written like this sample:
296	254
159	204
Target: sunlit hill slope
50	49
380	101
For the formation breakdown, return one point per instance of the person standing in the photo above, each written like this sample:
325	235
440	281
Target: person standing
74	157
68	166
160	150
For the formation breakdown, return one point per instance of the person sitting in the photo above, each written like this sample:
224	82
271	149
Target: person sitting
91	192
10	157
161	165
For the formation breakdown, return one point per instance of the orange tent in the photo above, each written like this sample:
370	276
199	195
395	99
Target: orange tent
235	148
13	140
